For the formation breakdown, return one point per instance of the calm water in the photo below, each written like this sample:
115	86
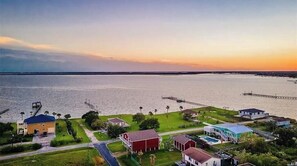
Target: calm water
124	94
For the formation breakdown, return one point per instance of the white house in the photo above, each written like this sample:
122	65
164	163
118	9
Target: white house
228	131
198	157
117	121
252	113
281	121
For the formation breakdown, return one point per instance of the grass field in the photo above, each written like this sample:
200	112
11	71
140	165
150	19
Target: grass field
116	147
173	122
101	136
63	135
163	158
83	157
218	113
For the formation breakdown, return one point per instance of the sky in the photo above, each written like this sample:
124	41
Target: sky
194	34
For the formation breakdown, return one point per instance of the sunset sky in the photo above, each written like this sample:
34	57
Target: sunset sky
196	34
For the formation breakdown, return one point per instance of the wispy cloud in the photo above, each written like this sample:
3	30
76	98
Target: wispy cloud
4	40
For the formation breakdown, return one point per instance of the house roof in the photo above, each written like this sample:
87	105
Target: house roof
252	110
280	119
39	119
183	139
198	154
235	128
189	111
116	120
142	135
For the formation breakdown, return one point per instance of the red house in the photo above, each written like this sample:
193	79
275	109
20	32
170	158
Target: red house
181	142
144	140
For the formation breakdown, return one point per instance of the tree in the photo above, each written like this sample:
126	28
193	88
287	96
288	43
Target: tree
167	108
152	159
168	144
97	124
140	153
22	114
286	137
181	108
5	127
59	115
151	113
271	125
254	143
31	113
113	131
46	112
54	113
151	123
155	111
138	117
90	117
67	116
187	116
140	108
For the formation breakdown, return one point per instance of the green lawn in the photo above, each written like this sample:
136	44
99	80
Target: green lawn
218	113
116	147
4	139
163	158
63	136
83	156
101	136
173	122
80	131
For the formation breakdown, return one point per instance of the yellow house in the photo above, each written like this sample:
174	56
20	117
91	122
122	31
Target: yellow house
41	124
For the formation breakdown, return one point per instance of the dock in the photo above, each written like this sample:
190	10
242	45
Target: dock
178	100
37	106
2	112
270	96
91	106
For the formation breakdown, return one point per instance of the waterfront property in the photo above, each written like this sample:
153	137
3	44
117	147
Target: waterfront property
210	140
144	140
182	142
198	157
281	121
41	124
228	131
252	113
117	121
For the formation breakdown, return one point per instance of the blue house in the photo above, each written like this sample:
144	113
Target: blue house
228	131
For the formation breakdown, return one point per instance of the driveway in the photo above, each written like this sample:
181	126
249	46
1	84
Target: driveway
106	154
44	141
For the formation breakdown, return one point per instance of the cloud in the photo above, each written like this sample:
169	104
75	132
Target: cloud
9	41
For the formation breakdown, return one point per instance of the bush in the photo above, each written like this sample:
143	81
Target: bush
139	117
12	149
36	146
78	140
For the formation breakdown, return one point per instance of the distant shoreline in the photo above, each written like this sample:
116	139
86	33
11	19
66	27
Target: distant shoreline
291	74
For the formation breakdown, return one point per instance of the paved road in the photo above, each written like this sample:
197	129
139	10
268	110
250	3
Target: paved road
106	154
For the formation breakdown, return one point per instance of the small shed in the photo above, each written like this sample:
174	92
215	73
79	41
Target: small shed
182	142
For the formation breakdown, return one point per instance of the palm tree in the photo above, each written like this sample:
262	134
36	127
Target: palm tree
59	115
156	111
54	113
181	108
139	156
140	108
22	114
152	159
167	108
46	112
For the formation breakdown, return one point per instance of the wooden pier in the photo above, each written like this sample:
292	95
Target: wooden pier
37	106
92	107
2	112
270	96
178	100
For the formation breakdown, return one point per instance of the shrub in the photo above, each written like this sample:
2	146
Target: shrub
36	146
78	140
12	149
